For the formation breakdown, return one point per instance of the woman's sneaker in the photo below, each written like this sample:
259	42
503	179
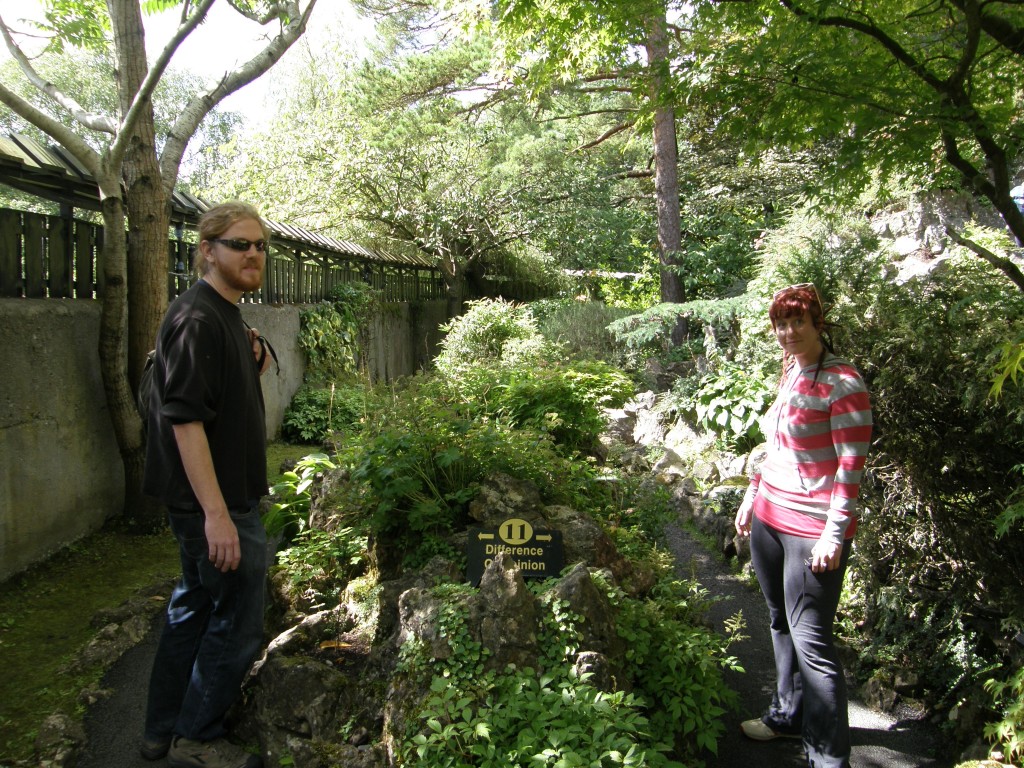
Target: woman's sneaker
759	731
219	753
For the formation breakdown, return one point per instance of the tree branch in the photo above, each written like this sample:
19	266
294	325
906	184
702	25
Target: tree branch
197	109
606	135
577	115
85	154
92	121
1003	31
156	71
897	51
1003	264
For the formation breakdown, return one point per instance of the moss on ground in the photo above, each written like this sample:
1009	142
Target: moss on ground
45	621
46	614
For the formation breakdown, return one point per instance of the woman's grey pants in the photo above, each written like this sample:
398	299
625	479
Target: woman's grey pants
810	695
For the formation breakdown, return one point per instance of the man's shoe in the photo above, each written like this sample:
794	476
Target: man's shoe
759	731
219	753
154	748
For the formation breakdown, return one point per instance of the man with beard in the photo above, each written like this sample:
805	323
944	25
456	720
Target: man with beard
206	461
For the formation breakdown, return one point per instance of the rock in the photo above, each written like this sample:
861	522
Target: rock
634	461
649	428
419	618
111	642
703	471
60	741
906	683
596	628
643	401
670	466
323	497
729	465
878	695
502	497
584	541
595	669
506	612
979	750
386	596
685	439
620	425
905	245
311	683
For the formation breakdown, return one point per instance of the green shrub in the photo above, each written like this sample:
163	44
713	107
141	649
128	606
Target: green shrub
333	332
1008	732
289	515
649	333
730	403
491	331
633	293
329	344
418	464
676	664
314	413
521	718
581	327
564	402
317	558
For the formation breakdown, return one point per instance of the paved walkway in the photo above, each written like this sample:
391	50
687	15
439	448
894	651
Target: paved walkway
880	741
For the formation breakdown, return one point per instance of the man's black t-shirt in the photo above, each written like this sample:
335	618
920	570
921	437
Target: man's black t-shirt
205	371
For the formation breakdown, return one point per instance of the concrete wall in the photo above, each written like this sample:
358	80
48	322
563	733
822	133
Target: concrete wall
60	470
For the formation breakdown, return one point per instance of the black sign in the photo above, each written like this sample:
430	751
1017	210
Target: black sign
537	554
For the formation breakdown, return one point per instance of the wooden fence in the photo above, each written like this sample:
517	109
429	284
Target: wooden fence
47	256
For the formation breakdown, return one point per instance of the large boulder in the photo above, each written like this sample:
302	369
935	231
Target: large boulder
506	612
312	684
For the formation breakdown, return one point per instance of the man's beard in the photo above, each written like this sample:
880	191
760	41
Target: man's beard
243	279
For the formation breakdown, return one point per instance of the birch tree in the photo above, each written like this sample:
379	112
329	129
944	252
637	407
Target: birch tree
136	170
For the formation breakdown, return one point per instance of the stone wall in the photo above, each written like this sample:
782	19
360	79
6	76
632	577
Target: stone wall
60	470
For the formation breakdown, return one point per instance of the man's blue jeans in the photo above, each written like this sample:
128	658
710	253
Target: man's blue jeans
214	631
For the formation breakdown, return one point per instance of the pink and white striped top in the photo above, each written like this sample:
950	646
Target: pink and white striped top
818	435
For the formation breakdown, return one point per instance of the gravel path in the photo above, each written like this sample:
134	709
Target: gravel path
879	740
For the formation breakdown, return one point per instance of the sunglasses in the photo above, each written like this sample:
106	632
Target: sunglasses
801	286
240	244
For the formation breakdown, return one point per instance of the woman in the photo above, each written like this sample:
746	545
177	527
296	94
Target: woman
800	513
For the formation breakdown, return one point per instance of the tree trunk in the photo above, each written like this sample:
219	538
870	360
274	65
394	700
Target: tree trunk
143	260
455	293
148	204
142	513
666	167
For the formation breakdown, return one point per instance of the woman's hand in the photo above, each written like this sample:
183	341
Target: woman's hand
744	516
825	556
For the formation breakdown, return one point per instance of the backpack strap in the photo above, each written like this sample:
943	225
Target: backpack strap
265	346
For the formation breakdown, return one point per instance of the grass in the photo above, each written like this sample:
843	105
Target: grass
46	613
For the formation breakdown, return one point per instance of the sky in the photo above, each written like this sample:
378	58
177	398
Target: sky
222	42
